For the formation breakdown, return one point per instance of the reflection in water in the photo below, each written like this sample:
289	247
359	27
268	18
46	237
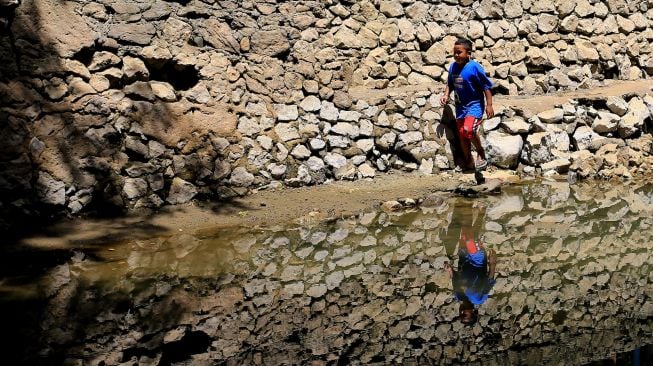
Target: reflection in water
573	284
474	277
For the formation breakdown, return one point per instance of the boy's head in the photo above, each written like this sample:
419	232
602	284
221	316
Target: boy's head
462	50
467	312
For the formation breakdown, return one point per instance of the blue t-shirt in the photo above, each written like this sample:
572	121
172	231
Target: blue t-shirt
468	82
472	280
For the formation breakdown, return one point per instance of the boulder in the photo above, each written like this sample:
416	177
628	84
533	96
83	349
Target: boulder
503	150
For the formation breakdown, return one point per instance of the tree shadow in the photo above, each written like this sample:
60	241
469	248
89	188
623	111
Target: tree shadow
71	139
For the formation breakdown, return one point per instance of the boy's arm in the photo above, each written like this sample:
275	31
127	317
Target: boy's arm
445	98
492	261
489	109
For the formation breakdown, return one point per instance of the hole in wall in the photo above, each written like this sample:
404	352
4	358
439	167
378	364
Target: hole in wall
181	77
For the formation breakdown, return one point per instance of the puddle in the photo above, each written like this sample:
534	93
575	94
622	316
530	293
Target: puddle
572	284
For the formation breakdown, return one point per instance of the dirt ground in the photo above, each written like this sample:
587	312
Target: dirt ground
261	209
315	203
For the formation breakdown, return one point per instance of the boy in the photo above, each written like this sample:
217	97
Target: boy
473	97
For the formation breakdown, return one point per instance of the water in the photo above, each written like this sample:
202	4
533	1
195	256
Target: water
572	285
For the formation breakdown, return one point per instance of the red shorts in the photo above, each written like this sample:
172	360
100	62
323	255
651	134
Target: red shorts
467	126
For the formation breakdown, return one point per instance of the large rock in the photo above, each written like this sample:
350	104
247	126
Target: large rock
219	35
634	119
269	43
134	187
542	147
286	131
181	191
55	24
583	137
503	150
240	177
50	190
617	105
133	33
605	122
551	116
392	8
286	112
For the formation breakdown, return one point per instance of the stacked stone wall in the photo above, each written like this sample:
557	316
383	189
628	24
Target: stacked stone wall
146	103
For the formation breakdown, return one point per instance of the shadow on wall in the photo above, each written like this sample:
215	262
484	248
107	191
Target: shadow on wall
80	129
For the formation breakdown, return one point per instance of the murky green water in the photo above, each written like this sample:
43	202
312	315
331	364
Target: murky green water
572	284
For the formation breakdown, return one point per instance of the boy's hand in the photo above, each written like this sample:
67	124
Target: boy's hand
489	111
444	100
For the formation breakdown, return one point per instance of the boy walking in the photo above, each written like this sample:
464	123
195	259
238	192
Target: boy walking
471	87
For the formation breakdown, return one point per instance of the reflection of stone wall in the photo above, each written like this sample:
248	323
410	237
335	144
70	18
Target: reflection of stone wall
139	103
573	270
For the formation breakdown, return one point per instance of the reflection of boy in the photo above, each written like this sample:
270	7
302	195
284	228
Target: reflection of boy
474	278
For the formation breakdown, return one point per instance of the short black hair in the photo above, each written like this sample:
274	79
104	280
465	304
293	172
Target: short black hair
465	43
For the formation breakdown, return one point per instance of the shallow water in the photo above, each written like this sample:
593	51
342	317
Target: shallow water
572	285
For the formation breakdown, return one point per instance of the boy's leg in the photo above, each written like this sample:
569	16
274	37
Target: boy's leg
465	133
479	148
481	161
466	147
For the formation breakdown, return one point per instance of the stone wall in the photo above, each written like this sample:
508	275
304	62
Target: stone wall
143	103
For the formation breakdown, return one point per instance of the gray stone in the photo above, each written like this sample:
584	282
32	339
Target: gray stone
181	191
605	122
163	91
516	125
134	69
240	177
617	105
633	120
583	137
345	129
315	164
541	147
135	187
300	152
335	160
270	42
277	170
50	190
134	33
286	112
329	112
317	144
248	126
503	150
310	104
286	131
551	116
349	116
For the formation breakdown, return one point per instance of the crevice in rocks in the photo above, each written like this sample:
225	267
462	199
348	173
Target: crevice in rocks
406	156
345	358
191	343
85	55
283	56
181	2
181	77
500	90
294	338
